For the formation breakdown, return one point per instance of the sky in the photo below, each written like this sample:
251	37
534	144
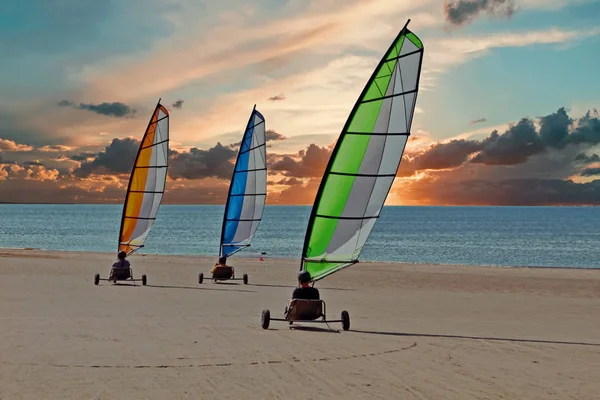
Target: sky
505	115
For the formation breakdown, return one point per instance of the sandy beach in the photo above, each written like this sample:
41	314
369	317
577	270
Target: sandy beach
417	332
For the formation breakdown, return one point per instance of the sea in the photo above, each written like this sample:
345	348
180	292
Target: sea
490	236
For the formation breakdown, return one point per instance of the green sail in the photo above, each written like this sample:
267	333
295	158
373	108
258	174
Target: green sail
364	162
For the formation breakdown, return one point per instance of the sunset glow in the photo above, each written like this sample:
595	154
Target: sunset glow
501	117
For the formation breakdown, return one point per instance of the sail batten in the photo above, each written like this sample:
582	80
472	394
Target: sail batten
146	183
247	190
364	162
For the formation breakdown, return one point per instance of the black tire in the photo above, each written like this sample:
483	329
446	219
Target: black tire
265	319
345	320
200	278
97	279
144	280
245	279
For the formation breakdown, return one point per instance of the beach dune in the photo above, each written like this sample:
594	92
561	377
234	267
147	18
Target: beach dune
417	332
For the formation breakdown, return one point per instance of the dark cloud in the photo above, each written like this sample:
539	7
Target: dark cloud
114	109
215	162
289	182
278	97
585	159
32	163
311	163
478	121
83	156
178	104
515	146
448	155
460	12
590	172
272	135
65	103
118	157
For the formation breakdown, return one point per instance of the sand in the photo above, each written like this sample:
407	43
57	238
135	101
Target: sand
417	332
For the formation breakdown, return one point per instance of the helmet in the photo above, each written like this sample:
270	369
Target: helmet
304	277
122	255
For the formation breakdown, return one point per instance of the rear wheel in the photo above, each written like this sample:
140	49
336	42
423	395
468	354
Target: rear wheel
265	319
345	320
144	280
97	279
200	278
245	279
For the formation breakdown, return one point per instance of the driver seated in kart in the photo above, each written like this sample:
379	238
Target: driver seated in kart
122	263
222	263
119	266
303	291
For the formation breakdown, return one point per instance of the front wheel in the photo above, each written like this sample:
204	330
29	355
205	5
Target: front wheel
200	278
144	280
265	319
245	279
97	279
345	320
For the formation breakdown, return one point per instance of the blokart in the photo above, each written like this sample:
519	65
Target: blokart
305	311
223	273
121	274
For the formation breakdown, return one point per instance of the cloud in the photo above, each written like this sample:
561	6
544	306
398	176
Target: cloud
83	156
590	172
461	12
178	104
198	164
512	147
118	157
278	97
289	182
55	148
114	109
272	135
478	121
515	146
306	164
9	145
31	170
585	159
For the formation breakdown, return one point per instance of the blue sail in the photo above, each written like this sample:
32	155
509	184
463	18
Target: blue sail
247	191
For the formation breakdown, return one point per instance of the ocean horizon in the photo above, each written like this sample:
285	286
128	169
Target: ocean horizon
520	236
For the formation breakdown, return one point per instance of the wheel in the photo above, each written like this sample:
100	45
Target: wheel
345	320
245	279
265	319
97	279
201	278
144	280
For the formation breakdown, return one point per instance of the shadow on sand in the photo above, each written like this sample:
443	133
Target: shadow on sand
432	335
197	288
293	287
306	328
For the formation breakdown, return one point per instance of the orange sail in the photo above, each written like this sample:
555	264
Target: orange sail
147	183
